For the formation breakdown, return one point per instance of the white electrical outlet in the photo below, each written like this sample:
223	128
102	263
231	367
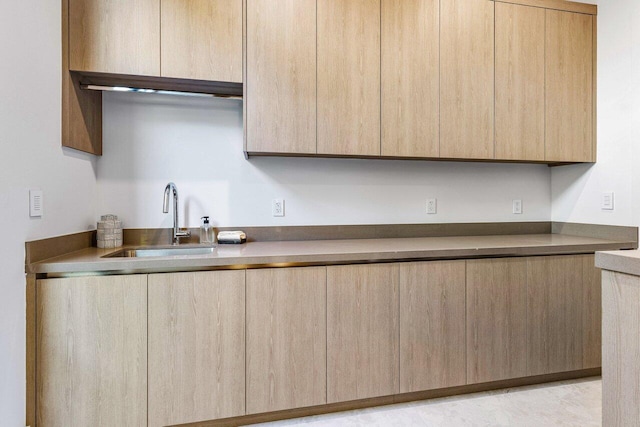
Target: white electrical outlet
36	203
432	206
517	206
277	207
607	201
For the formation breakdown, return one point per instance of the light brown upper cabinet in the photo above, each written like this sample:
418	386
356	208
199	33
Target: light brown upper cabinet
349	77
196	346
286	338
202	39
570	91
467	79
186	39
281	76
362	331
520	87
410	78
115	36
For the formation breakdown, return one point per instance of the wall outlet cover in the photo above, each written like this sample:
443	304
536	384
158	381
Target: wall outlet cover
277	207
432	206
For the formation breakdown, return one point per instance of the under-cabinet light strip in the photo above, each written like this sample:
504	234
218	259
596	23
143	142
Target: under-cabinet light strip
162	92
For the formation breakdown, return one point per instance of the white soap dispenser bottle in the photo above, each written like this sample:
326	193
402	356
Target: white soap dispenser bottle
206	232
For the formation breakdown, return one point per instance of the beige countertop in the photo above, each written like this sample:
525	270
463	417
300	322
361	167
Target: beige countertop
627	262
324	252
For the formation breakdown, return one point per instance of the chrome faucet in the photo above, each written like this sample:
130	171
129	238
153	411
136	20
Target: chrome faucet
177	234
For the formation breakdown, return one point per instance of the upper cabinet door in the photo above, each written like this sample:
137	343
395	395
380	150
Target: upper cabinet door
115	36
519	82
281	76
349	77
467	79
569	82
202	39
410	78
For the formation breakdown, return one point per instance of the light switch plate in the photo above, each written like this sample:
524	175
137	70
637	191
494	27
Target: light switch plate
607	201
36	203
517	206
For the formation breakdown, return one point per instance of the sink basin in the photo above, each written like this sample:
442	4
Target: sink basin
161	252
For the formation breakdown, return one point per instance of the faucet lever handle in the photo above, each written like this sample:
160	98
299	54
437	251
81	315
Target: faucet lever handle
183	233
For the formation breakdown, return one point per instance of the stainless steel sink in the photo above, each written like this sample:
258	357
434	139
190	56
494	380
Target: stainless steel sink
161	252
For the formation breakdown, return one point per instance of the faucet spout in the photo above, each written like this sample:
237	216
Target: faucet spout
170	190
167	194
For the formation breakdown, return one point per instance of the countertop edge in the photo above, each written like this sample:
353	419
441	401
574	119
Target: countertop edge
627	262
202	263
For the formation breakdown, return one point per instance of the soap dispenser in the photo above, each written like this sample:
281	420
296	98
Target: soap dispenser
206	232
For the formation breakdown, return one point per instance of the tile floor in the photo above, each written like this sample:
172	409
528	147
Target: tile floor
565	403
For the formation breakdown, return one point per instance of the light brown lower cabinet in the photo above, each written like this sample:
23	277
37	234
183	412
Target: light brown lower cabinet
591	313
92	351
286	338
432	329
532	316
621	345
554	314
309	336
196	346
362	331
496	319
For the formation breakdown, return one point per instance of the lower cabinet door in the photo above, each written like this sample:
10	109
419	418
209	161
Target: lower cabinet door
286	338
496	319
362	331
196	346
621	348
432	326
92	351
591	313
555	313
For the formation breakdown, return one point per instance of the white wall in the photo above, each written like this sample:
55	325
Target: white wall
150	140
577	190
31	157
